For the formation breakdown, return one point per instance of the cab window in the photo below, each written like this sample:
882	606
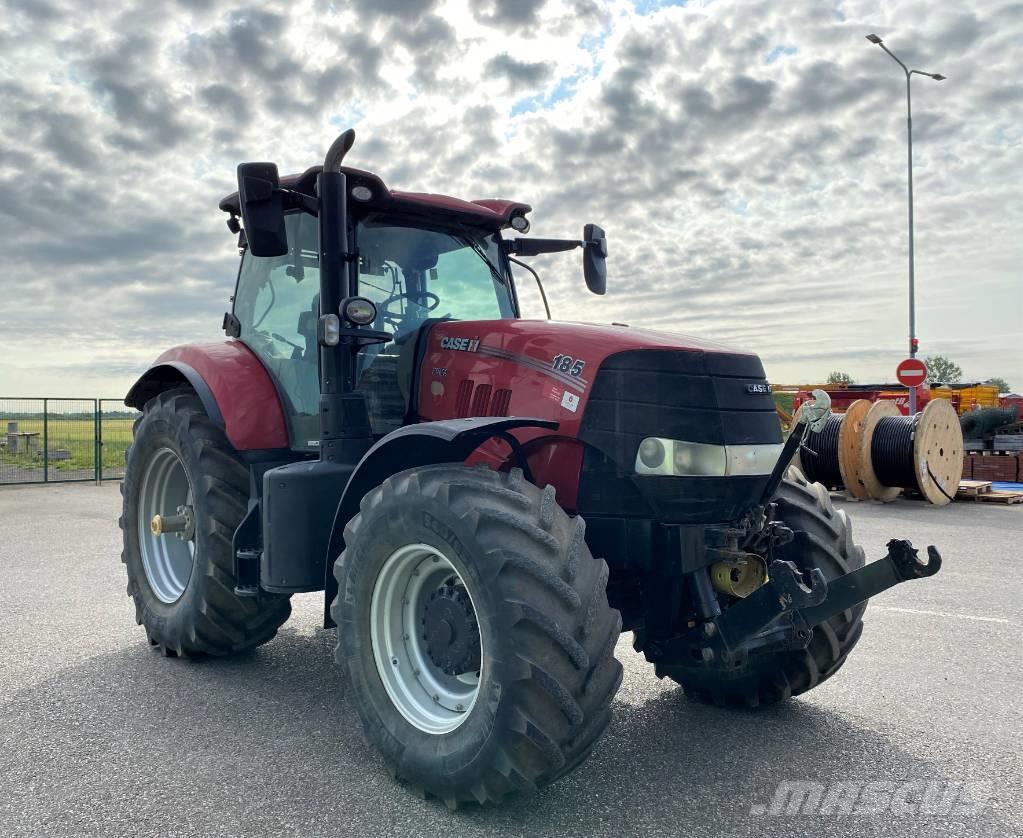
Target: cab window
277	306
414	273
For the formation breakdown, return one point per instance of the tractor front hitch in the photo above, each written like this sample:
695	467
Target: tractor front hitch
796	606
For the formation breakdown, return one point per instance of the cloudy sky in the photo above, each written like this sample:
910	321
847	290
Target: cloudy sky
747	160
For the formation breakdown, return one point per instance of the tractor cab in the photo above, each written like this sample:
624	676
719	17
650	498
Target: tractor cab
410	270
409	259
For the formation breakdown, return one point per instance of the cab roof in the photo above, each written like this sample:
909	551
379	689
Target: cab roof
493	213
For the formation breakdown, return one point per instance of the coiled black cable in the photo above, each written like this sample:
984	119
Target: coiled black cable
819	455
891	451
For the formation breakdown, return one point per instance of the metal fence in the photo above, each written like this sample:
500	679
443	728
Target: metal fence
63	440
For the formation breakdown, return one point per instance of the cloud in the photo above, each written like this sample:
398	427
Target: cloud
518	74
503	14
747	198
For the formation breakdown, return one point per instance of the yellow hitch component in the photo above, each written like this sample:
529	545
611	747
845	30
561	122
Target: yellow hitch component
739	578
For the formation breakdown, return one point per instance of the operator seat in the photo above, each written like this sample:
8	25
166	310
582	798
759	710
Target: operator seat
387	379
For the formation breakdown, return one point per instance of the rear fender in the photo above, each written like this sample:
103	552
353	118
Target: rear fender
426	443
233	386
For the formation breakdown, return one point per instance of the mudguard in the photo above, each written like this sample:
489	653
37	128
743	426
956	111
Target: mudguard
426	443
233	385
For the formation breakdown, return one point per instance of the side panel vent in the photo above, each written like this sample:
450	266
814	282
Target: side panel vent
481	401
501	402
463	399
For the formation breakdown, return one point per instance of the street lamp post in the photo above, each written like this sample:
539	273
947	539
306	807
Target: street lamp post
874	39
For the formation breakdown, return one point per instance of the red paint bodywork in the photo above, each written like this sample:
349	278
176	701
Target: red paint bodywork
517	355
244	392
512	355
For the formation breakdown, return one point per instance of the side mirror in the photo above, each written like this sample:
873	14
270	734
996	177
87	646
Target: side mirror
595	258
262	209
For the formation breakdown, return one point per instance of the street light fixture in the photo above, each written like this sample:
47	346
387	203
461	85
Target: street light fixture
874	39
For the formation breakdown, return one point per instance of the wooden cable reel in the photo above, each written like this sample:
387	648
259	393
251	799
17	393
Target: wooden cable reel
938	452
928	455
874	487
876	452
842	457
849	449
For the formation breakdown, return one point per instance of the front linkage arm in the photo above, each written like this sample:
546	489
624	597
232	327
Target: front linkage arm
797	606
900	565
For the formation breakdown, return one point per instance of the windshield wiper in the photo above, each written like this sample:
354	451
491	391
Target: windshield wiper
465	238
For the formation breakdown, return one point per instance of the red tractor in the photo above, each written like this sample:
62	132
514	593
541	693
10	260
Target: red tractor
381	425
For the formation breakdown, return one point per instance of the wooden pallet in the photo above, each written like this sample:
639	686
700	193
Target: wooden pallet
972	488
1000	496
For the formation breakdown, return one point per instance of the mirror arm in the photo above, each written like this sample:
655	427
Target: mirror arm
299	200
534	247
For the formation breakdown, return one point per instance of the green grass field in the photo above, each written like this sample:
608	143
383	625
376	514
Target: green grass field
74	435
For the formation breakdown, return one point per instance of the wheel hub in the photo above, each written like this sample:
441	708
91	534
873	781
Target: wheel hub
427	644
166	540
450	630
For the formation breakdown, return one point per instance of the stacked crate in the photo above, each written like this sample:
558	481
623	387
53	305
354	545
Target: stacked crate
998	468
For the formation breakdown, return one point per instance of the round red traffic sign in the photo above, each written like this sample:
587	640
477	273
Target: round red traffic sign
911	372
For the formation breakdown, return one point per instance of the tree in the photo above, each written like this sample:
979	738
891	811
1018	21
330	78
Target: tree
838	377
1000	383
942	370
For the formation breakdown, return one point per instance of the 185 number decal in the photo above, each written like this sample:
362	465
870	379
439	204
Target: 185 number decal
566	363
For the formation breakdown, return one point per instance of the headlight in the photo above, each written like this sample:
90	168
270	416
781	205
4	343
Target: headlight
674	458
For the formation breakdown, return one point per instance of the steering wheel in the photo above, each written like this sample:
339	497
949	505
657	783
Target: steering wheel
432	302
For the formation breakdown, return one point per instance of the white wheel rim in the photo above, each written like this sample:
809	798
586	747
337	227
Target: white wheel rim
430	699
166	559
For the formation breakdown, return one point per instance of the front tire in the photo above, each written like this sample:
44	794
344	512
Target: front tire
183	587
541	635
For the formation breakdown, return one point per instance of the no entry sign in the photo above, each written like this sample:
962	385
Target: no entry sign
911	372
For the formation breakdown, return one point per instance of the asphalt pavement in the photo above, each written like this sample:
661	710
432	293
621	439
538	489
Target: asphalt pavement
100	735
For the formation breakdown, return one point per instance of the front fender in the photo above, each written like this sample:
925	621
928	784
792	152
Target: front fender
426	443
233	385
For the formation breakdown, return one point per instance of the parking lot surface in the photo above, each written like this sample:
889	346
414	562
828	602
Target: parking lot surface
99	735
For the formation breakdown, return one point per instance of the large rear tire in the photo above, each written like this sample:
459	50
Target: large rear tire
772	677
183	587
474	628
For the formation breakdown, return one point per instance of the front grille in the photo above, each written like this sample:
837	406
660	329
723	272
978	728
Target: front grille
676	394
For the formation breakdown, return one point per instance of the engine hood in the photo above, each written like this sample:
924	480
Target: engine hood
542	368
589	337
607	387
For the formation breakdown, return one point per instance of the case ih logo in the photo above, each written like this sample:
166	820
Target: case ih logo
461	344
758	388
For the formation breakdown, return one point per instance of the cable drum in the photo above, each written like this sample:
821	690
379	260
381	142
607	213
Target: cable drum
922	452
823	468
831	457
891	451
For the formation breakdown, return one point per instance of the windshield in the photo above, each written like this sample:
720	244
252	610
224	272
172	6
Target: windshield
413	273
